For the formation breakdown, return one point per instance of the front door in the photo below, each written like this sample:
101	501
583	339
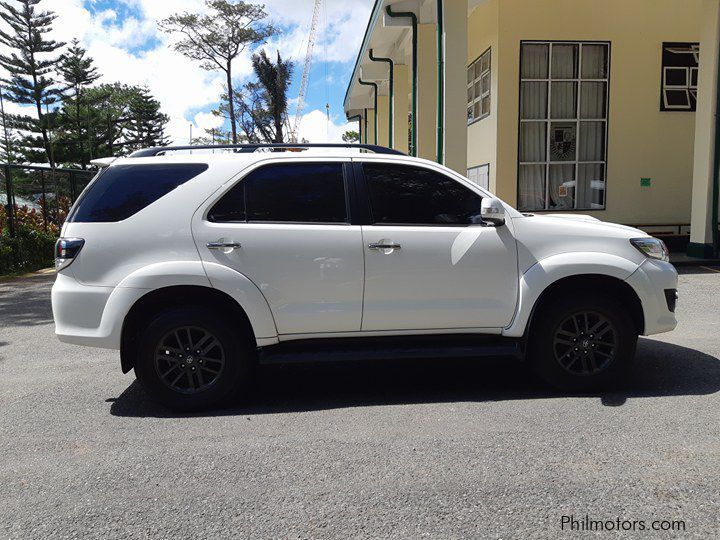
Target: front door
295	242
430	262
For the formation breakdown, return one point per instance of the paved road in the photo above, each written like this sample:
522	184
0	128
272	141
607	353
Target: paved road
440	449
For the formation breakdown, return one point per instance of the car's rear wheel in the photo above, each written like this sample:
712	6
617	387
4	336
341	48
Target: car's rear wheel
582	342
191	359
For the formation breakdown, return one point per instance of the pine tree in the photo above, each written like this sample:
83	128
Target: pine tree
29	64
78	72
8	145
146	125
109	117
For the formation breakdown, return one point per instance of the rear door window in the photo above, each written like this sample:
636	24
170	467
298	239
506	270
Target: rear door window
288	192
123	190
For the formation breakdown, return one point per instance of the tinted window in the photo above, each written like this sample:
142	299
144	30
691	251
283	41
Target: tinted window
293	192
411	195
123	190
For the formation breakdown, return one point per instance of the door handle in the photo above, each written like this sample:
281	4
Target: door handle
384	246
223	245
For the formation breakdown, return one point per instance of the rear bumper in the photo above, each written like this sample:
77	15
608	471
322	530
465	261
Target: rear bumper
89	315
651	281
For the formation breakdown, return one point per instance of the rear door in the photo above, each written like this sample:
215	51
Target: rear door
291	222
430	261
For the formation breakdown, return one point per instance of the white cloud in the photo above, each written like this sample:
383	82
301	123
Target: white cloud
315	128
205	120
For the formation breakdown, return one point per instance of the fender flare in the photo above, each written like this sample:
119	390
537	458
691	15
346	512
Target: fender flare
244	291
556	267
211	275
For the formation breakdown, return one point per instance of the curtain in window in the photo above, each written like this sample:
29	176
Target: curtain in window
533	135
594	62
591	140
562	186
591	185
532	141
564	61
533	100
532	187
534	61
564	100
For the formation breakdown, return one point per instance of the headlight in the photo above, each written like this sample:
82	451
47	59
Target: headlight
652	247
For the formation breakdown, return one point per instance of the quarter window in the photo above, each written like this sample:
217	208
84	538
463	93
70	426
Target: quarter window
478	88
404	195
121	191
563	125
293	192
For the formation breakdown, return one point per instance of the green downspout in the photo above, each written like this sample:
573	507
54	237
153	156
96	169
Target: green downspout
391	83
365	122
375	87
413	125
440	82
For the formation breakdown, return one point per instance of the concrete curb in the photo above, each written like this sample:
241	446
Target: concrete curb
43	272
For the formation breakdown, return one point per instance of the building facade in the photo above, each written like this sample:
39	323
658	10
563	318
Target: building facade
602	108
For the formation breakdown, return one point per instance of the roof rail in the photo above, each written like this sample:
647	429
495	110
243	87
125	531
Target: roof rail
252	147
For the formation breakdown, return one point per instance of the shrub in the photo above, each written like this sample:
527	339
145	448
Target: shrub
33	247
30	250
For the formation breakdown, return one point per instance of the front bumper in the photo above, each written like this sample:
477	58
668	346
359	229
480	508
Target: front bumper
651	281
90	315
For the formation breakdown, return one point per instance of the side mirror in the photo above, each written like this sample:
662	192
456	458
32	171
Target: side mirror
492	211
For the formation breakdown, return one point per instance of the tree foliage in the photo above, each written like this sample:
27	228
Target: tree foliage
146	124
78	72
76	121
260	106
219	36
351	136
30	65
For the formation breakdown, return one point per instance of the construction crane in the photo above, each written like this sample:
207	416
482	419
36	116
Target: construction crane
306	71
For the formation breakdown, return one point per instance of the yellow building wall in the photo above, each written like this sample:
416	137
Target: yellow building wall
482	134
642	140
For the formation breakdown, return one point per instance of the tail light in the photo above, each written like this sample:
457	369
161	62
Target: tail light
66	249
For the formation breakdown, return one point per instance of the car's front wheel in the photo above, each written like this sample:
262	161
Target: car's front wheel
581	341
191	359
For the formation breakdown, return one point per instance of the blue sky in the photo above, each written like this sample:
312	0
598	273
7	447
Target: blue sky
122	37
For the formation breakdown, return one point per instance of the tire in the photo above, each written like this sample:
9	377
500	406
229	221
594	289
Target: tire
182	379
575	353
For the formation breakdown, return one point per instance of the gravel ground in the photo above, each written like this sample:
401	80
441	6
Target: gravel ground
436	449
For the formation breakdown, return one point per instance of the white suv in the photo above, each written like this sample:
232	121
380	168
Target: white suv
197	266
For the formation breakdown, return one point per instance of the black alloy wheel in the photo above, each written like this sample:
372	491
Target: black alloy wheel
585	343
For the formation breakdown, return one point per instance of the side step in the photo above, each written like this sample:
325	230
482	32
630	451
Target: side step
389	348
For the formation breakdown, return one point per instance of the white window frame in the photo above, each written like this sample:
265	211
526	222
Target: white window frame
577	120
689	88
478	80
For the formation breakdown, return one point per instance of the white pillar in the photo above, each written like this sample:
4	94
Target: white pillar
427	91
401	76
701	224
383	119
455	77
370	137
